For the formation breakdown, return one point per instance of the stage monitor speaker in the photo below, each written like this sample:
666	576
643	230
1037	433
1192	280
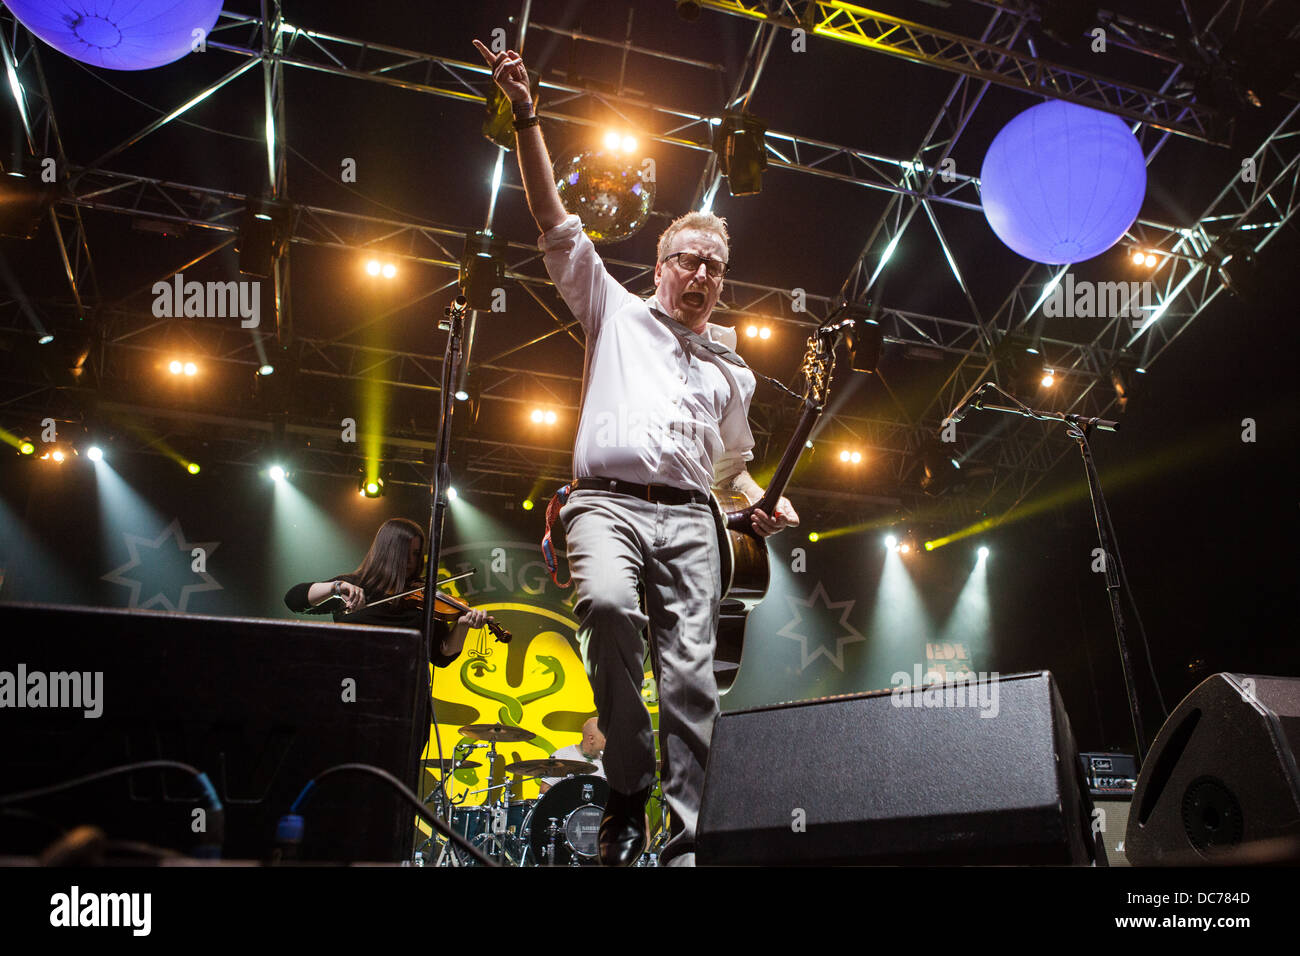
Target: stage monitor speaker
1220	782
978	773
261	706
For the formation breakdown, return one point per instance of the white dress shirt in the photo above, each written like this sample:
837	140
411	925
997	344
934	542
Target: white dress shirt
655	412
574	752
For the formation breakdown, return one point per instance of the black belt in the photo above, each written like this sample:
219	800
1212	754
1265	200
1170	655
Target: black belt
659	494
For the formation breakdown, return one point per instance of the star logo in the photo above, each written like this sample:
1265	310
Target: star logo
819	597
163	571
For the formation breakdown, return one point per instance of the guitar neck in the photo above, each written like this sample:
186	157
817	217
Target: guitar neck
776	487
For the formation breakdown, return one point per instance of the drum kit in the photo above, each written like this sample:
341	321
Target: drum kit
559	828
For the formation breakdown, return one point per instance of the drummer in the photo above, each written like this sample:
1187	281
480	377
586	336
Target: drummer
591	749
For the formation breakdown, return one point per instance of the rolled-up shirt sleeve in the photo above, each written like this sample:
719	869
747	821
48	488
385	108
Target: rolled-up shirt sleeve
737	438
575	267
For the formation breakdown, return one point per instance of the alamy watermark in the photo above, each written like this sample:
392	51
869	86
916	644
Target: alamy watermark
1100	300
209	300
926	689
640	428
82	690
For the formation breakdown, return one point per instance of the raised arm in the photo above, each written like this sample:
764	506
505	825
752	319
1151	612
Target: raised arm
534	162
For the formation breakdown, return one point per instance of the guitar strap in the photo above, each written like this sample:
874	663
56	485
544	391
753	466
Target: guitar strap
716	348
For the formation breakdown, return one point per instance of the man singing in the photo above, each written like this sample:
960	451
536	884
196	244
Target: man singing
663	420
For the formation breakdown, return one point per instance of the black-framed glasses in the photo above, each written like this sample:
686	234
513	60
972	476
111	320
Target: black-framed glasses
689	261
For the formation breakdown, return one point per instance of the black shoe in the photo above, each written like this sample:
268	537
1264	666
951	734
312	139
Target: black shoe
623	828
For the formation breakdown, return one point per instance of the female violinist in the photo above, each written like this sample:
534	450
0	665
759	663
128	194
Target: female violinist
392	565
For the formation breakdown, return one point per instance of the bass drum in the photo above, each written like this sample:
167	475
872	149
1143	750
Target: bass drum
563	828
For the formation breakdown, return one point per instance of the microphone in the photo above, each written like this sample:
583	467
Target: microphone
966	405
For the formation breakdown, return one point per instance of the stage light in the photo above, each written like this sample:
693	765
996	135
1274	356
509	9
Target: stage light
1049	378
193	468
844	456
175	367
752	331
739	141
814	537
191	369
983	552
45	339
856	457
266	370
1123	379
808	443
1150	260
452	494
1139	257
929	546
528	504
765	333
538	416
864	339
482	270
95	453
24	203
57	455
26	448
891	542
551	418
374	267
263	235
277	473
390	270
612	140
629	144
904	548
371	487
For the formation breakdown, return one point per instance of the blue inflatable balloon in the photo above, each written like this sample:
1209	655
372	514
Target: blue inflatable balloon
119	34
1062	183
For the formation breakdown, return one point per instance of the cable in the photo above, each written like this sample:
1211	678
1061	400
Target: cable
401	788
215	830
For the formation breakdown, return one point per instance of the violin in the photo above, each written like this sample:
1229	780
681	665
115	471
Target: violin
446	607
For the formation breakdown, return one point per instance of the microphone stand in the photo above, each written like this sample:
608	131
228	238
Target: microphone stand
1078	427
439	482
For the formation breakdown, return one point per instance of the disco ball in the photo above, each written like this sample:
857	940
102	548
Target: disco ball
607	191
119	34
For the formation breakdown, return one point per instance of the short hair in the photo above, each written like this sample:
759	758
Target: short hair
703	221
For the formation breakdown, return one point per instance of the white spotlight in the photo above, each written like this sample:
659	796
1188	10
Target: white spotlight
276	473
983	552
451	493
95	453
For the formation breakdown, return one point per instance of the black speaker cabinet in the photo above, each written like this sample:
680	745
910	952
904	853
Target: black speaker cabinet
981	773
1221	775
261	706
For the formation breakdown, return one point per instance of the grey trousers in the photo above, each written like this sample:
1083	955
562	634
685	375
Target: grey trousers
614	541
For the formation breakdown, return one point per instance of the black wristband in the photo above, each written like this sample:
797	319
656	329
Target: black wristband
526	122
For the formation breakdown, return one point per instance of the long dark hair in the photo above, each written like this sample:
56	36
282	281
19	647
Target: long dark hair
383	570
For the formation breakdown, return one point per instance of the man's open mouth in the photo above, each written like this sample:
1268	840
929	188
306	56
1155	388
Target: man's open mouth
693	299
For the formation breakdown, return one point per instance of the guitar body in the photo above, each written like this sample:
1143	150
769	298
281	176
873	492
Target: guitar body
745	579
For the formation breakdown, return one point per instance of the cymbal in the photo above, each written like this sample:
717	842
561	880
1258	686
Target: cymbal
498	732
434	763
550	767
